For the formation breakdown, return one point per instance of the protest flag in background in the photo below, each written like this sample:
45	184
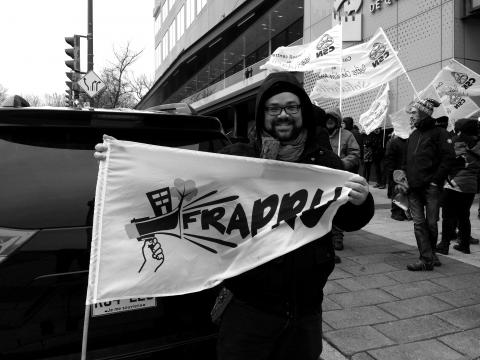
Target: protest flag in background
325	51
376	115
173	221
364	67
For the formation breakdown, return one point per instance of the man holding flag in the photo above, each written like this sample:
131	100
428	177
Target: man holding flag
275	308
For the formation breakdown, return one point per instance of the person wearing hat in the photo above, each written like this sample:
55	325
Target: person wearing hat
429	155
275	311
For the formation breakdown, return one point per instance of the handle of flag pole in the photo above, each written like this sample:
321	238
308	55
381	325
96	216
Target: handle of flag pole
86	323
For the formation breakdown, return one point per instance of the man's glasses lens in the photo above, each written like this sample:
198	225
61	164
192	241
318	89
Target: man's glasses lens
276	110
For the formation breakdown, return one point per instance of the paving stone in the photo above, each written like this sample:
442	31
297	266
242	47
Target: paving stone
330	353
326	327
456	268
368	315
362	298
415	329
366	282
413	289
459	298
423	350
378	249
466	342
362	356
328	305
405	276
353	340
332	287
339	274
368	269
372	258
457	282
346	261
464	318
415	307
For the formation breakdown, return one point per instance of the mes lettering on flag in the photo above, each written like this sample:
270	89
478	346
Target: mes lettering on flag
174	221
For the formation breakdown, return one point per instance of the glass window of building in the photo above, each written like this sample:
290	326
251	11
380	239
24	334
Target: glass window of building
180	22
158	55
165	46
200	5
158	23
172	32
164	10
190	15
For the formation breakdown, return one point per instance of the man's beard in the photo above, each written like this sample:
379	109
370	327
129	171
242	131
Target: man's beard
282	133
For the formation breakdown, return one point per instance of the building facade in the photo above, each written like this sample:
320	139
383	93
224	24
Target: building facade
209	52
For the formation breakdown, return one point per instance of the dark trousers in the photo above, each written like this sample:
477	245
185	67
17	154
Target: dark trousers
367	166
249	333
456	210
424	208
379	171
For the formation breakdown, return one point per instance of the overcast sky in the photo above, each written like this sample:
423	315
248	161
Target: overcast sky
32	44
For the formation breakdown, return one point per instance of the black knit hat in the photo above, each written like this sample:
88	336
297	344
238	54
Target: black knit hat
281	87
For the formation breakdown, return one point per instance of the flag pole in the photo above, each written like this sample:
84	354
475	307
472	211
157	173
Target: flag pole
340	101
86	323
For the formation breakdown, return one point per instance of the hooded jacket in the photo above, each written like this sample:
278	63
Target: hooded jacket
429	155
349	148
293	283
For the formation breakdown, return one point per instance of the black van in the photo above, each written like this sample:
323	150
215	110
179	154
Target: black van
47	185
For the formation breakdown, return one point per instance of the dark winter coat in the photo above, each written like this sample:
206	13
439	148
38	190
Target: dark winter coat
290	283
429	155
394	159
463	175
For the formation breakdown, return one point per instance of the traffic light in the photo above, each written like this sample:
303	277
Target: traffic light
73	52
72	83
68	98
74	64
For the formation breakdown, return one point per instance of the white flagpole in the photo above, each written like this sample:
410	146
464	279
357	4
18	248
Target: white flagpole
86	323
340	101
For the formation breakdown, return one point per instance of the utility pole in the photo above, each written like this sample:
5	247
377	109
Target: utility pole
90	42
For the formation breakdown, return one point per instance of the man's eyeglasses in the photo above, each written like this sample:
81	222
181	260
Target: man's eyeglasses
277	110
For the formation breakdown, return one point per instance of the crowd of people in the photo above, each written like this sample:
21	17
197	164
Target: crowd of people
274	311
433	171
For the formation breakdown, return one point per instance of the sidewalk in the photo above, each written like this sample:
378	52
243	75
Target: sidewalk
376	309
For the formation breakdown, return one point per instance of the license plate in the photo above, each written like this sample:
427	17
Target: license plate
118	306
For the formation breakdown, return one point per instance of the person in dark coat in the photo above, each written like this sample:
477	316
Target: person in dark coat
429	156
394	154
275	312
461	186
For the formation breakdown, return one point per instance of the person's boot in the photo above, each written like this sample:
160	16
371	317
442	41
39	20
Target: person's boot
462	247
337	259
474	241
442	247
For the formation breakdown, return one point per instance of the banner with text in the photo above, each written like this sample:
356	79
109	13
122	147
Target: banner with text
325	51
364	67
174	221
376	115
